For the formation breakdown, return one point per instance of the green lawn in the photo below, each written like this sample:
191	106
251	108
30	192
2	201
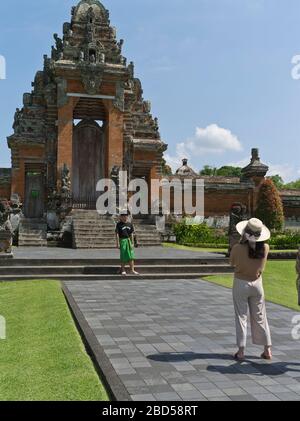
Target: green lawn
279	282
43	357
213	250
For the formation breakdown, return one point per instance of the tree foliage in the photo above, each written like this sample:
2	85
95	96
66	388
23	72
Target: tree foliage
226	171
166	169
269	206
294	185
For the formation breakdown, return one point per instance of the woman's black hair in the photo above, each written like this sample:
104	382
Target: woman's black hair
259	252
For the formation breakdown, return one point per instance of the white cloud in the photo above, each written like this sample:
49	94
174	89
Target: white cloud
213	139
286	171
209	140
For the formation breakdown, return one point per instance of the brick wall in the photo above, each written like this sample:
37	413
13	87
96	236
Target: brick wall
5	190
27	154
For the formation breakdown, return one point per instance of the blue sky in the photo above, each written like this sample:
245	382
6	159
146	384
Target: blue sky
218	72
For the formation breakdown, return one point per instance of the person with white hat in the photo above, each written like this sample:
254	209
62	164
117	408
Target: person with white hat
249	259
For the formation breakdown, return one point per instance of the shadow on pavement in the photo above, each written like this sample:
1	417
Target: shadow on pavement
247	367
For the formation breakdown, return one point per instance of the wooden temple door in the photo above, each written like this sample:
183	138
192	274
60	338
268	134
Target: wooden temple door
88	163
34	204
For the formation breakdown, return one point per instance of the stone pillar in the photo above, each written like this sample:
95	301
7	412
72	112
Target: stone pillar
65	137
115	138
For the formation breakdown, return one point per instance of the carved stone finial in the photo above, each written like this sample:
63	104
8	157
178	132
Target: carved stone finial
256	169
255	155
185	170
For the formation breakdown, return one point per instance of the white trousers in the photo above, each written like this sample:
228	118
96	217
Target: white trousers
250	296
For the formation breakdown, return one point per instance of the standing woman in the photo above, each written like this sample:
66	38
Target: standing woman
249	259
125	242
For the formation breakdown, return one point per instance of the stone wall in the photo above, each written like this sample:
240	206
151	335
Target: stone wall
5	183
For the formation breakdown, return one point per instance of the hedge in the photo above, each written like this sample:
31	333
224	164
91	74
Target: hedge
201	235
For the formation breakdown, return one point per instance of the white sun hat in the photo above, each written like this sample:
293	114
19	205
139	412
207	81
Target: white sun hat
255	226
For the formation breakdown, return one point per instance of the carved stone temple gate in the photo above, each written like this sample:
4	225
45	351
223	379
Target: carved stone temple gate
85	116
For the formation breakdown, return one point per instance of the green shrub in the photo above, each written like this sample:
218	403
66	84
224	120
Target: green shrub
198	234
269	206
285	240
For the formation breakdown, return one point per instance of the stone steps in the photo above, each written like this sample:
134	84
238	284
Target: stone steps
33	233
92	231
108	269
111	270
64	277
219	261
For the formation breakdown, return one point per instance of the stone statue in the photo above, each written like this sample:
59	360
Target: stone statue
131	69
17	122
81	56
147	106
238	213
59	43
120	45
93	59
6	230
298	279
91	15
66	182
102	58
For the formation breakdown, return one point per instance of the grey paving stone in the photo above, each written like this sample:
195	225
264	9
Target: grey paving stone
168	397
184	387
277	389
269	397
288	396
143	398
234	392
190	395
166	341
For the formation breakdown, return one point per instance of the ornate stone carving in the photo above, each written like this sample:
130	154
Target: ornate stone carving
120	96
59	43
66	182
6	230
17	123
91	78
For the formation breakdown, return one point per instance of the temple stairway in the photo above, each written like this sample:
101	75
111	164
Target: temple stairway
33	233
67	268
92	231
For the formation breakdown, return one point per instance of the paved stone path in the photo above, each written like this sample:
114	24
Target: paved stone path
174	340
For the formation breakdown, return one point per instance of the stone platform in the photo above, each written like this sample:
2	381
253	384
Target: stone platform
67	264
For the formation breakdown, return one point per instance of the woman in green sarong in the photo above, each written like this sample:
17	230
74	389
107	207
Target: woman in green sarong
125	242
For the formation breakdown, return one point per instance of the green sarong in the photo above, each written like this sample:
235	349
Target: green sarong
126	250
